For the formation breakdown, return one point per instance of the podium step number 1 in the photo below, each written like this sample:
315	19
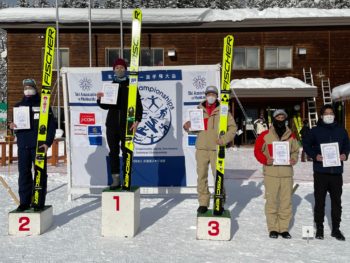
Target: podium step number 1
120	212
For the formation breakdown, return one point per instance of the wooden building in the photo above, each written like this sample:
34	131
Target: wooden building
265	46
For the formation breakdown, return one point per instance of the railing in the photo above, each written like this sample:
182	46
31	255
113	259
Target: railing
7	157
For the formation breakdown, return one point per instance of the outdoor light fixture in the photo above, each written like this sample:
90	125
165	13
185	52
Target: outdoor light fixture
171	53
302	51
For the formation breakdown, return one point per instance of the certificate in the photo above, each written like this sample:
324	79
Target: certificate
281	155
21	117
196	119
330	154
110	93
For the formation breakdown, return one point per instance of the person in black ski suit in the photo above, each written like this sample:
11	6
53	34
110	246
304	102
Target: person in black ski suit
26	143
327	179
116	119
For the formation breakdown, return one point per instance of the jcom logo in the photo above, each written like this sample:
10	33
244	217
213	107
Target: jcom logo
87	118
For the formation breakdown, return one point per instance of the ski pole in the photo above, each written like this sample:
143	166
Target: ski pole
9	190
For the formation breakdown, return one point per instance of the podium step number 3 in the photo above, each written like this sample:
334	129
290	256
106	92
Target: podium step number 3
30	223
210	227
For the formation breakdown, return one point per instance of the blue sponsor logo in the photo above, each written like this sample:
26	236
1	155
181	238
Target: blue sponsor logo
94	130
95	140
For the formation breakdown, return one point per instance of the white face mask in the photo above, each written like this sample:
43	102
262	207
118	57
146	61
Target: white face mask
29	92
328	119
211	99
120	73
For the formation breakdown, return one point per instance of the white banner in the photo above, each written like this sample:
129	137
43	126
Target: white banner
164	154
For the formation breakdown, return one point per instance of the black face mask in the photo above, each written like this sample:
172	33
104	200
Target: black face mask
280	127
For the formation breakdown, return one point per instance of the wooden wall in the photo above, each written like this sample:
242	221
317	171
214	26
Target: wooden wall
327	50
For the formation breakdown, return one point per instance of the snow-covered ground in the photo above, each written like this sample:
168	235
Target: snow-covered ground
168	224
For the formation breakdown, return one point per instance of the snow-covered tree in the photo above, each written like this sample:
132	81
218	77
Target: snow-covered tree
3	66
65	3
41	3
23	3
111	4
3	4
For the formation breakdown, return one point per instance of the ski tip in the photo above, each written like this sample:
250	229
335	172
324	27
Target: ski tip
137	14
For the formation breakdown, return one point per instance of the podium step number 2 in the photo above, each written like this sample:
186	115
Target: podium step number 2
30	223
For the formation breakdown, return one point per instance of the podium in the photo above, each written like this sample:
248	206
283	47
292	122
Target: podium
120	212
30	222
212	227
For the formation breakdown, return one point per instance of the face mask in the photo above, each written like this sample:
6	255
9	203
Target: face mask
280	127
328	119
120	73
29	92
211	99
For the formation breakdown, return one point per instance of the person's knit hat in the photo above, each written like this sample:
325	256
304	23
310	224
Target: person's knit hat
211	89
29	82
119	61
280	112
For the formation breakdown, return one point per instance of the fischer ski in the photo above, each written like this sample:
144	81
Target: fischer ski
40	158
227	59
132	95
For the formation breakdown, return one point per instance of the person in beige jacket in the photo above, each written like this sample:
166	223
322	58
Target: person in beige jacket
278	179
207	142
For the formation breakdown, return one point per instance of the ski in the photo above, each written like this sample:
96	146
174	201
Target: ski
131	112
225	92
40	159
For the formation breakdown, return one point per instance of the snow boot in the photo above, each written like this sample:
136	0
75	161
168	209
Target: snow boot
337	234
273	234
319	231
202	209
286	235
116	182
22	207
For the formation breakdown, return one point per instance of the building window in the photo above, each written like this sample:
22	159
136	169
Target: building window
278	58
64	58
149	57
246	58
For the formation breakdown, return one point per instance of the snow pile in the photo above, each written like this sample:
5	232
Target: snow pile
341	92
167	15
260	83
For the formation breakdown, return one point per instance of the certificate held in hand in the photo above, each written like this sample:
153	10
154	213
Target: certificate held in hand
110	93
21	117
281	153
330	154
196	119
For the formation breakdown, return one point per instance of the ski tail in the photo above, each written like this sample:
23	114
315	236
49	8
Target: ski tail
38	197
225	92
132	97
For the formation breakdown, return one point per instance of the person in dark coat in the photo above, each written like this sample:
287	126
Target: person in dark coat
27	142
116	119
327	179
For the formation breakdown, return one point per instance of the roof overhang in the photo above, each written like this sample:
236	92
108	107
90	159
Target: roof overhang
276	92
176	18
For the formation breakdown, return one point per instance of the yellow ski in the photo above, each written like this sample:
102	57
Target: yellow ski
225	92
131	112
40	159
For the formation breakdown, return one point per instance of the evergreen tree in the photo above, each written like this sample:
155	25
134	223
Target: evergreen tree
111	4
65	3
22	3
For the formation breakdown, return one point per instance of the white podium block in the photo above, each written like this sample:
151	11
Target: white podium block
120	212
29	222
212	227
